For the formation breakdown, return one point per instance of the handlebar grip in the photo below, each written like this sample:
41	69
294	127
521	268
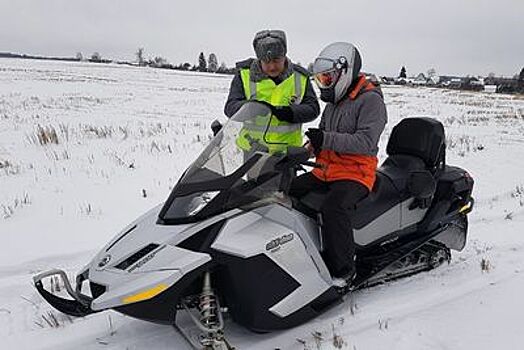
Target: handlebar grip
312	164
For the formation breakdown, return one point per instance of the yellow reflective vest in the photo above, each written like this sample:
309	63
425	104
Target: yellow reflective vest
280	134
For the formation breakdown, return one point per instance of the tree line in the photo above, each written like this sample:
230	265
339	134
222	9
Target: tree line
204	65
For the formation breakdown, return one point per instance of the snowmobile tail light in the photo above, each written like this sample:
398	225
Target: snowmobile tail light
465	209
147	294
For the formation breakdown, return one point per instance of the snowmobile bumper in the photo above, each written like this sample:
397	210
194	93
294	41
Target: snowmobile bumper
80	306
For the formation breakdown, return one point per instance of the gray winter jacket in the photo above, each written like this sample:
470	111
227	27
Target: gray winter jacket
354	126
306	111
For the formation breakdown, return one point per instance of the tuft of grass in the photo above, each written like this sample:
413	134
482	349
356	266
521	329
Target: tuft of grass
9	168
98	131
383	324
8	210
52	319
46	135
518	194
338	341
485	265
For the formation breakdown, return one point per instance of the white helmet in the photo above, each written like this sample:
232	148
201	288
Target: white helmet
335	69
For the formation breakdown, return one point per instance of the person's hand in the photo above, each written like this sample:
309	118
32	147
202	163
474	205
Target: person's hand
316	139
310	149
283	113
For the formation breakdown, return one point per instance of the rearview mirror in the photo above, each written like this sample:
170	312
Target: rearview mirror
216	126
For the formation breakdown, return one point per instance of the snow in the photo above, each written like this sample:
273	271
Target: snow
125	135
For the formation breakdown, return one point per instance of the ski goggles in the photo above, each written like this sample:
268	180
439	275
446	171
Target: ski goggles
327	79
326	72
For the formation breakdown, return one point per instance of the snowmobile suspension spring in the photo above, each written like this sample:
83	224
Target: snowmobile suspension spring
208	304
208	309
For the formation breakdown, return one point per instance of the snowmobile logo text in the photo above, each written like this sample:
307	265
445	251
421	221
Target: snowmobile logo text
279	241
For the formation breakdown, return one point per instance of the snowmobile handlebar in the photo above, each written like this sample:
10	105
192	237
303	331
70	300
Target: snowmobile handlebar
312	164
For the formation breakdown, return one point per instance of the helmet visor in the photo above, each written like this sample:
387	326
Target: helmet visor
327	79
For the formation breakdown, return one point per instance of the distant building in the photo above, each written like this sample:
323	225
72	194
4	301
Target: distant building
420	79
490	88
401	81
387	80
433	81
473	84
506	85
373	78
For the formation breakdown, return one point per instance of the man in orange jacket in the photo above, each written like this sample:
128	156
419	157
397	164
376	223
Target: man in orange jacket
346	146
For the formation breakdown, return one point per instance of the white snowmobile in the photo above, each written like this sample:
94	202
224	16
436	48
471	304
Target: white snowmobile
230	239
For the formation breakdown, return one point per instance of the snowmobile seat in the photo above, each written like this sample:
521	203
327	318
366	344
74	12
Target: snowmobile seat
382	197
415	151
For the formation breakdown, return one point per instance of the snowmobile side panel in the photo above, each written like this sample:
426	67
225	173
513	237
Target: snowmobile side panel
257	283
252	234
305	227
164	268
409	216
382	226
163	307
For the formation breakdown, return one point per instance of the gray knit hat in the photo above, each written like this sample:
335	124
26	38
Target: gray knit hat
270	44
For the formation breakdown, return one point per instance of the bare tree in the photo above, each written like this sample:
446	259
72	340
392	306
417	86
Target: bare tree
159	61
96	57
140	56
212	63
79	56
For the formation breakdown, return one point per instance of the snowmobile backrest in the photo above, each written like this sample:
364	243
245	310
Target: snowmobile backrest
421	137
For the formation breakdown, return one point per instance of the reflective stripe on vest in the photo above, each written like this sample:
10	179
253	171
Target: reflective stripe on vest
280	134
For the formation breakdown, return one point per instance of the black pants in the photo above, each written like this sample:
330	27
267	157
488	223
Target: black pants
337	231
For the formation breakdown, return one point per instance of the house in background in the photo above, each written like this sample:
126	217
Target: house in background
433	80
506	85
490	88
420	80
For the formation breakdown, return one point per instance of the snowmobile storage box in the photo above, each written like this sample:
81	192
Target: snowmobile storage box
454	180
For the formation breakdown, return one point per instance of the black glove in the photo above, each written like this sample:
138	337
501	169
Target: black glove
283	113
316	138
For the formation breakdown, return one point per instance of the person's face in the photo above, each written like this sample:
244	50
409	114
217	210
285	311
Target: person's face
273	68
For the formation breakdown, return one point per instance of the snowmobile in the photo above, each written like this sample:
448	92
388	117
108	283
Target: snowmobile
230	240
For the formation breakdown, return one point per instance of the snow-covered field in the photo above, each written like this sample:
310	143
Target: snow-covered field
86	148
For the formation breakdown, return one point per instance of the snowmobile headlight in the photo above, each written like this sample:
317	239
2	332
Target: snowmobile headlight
146	294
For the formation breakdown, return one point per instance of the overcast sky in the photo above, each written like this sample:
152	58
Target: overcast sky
452	36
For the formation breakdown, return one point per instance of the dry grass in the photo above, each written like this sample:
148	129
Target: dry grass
8	210
46	135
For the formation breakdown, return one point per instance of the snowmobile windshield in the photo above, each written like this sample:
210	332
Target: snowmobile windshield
237	168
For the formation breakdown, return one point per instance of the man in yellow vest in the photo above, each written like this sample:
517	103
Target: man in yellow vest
272	78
